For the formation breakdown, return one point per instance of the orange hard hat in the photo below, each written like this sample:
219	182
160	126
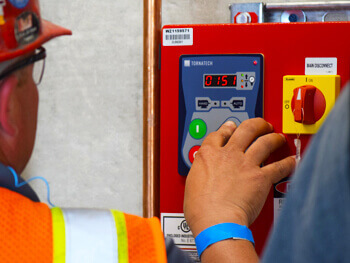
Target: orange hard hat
22	30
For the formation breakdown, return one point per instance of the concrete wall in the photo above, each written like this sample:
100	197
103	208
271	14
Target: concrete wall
89	143
89	138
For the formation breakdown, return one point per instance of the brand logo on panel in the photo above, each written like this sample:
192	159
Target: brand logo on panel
205	63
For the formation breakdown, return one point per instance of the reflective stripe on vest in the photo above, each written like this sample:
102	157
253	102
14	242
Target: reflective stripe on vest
90	236
59	237
120	224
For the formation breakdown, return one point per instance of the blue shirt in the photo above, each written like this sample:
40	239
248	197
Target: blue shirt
8	181
314	224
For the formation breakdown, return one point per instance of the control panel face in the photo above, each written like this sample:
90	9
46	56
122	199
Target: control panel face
215	89
201	88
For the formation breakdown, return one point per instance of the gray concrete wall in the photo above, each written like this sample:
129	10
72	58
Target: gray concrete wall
89	139
89	143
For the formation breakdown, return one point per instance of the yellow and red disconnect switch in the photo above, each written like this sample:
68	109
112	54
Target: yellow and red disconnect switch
307	100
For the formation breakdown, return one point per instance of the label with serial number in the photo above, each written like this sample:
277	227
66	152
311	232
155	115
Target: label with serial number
177	36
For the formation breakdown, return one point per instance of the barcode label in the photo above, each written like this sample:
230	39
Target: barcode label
178	37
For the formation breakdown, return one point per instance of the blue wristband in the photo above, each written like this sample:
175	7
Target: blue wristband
221	232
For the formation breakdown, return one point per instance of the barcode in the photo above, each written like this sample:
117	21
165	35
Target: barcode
178	37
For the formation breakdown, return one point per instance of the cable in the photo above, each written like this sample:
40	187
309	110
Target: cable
29	180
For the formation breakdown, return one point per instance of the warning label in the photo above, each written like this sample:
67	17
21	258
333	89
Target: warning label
174	226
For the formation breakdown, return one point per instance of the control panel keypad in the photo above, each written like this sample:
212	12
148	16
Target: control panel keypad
213	90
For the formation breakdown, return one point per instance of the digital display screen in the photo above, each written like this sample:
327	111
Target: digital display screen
218	80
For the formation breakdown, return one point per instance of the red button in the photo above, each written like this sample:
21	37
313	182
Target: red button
193	152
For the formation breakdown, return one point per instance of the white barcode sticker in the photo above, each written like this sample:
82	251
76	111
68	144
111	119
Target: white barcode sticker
177	36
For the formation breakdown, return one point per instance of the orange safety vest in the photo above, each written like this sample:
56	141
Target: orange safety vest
31	232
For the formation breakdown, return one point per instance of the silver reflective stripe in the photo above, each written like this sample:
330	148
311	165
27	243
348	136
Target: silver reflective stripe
91	236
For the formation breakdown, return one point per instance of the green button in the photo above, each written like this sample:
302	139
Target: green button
198	129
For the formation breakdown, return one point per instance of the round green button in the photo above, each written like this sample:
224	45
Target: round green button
198	129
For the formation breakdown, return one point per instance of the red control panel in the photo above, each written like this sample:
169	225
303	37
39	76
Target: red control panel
284	48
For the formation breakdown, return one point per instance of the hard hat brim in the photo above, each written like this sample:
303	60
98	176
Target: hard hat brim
49	31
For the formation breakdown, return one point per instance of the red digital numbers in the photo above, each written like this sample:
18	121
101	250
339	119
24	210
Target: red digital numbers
220	80
234	80
224	80
208	80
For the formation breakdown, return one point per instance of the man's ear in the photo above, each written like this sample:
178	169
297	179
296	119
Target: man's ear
7	106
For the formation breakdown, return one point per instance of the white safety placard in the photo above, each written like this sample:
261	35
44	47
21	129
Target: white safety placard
174	226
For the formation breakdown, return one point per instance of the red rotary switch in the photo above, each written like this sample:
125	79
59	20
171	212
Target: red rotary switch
308	104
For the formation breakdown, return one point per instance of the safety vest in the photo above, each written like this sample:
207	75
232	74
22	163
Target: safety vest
31	232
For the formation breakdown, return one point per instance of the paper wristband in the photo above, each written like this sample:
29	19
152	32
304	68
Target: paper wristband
221	232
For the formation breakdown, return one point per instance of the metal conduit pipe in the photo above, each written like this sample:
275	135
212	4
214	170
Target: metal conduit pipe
151	106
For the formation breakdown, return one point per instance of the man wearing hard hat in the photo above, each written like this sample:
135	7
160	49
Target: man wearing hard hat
29	230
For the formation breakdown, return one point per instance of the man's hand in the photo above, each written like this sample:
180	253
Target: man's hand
226	182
